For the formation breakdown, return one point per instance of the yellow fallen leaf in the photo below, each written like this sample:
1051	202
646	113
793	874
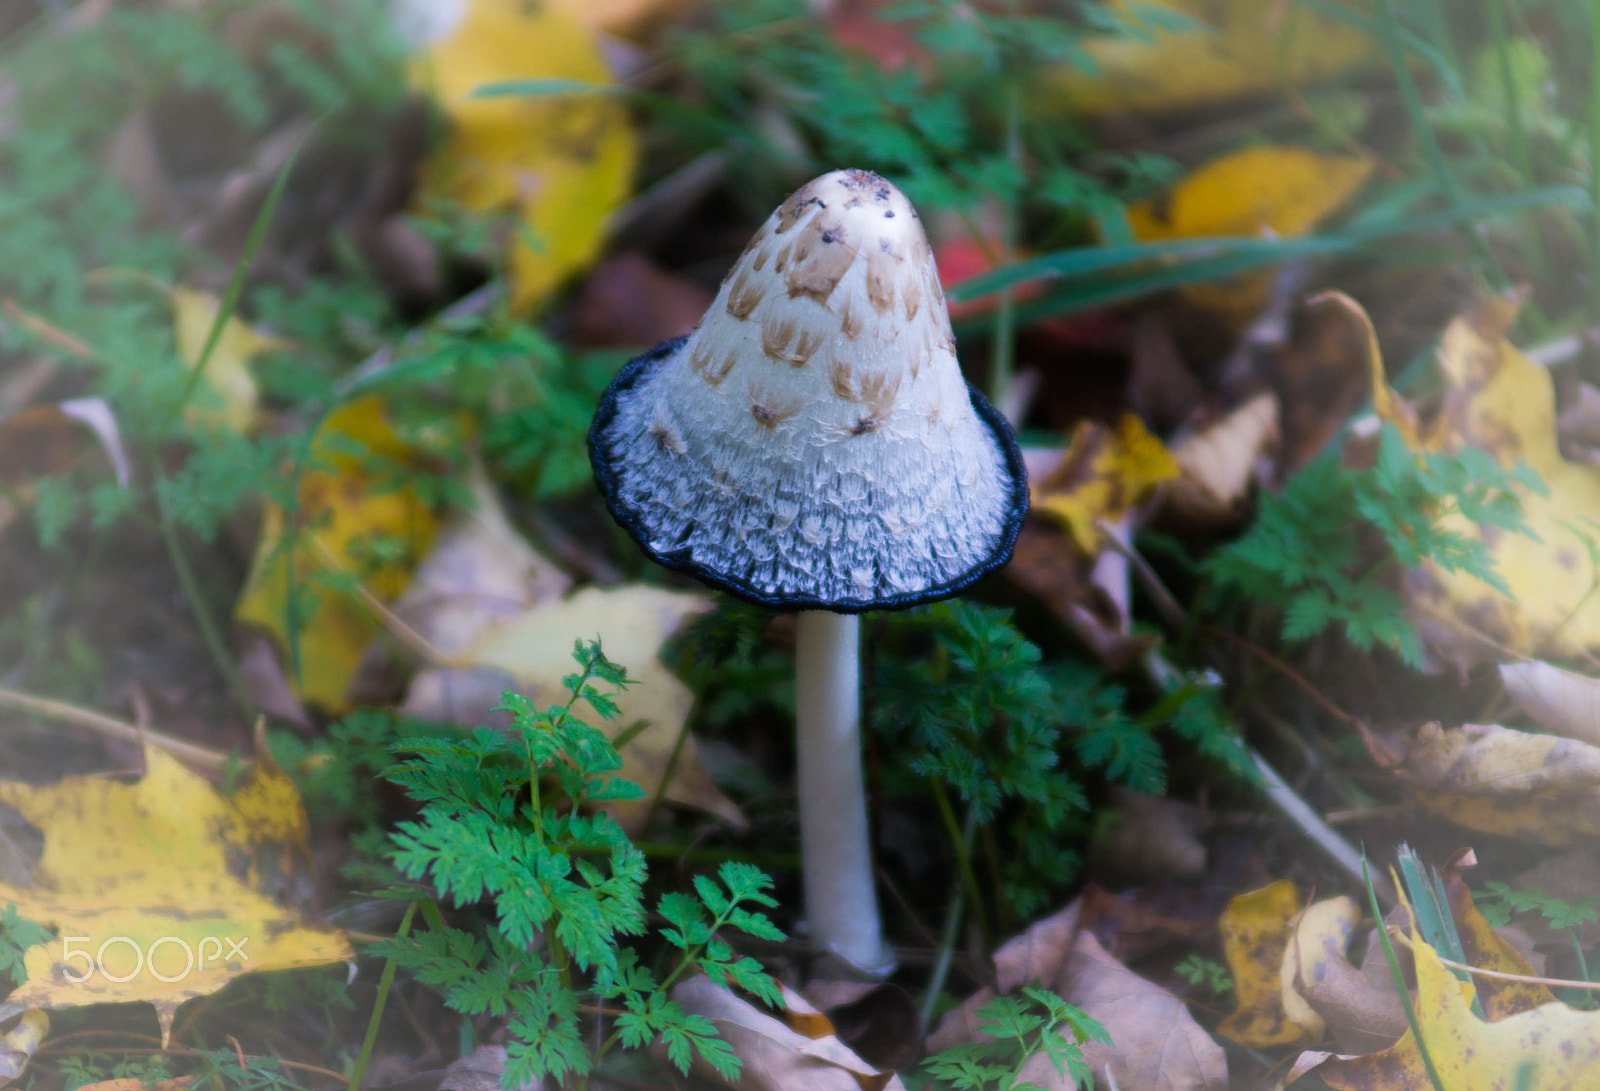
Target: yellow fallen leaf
1468	1052
18	1045
1256	928
1540	788
154	888
1487	949
1319	937
632	622
1500	401
560	162
1276	189
1262	191
228	397
345	509
1244	47
1103	475
1551	1047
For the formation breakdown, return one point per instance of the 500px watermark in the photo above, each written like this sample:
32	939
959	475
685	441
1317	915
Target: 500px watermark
178	958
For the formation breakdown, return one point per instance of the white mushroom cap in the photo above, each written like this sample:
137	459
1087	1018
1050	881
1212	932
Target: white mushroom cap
812	443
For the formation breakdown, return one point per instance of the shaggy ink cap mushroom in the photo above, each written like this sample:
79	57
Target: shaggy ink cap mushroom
812	444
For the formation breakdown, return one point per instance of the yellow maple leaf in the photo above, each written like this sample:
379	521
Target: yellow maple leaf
1242	47
344	508
1102	476
560	162
154	888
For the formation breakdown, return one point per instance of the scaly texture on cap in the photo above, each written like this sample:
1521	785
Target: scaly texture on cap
812	444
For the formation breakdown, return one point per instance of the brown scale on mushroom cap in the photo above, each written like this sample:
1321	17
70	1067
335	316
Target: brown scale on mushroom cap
846	463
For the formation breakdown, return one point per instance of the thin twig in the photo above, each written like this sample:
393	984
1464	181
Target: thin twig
1315	829
1166	605
397	627
1501	975
1289	672
116	729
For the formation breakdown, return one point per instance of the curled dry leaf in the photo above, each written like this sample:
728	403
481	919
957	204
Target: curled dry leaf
775	1056
1557	700
1541	788
1219	464
1317	941
1155	1043
47	439
1047	565
1546	1048
880	1021
1485	947
1329	366
18	1045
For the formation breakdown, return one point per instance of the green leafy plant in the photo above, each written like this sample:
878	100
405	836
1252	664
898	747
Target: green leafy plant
1019	1028
1308	552
502	824
17	934
1499	902
980	712
1208	974
82	1069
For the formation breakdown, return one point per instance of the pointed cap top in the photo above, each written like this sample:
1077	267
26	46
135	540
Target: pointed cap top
812	444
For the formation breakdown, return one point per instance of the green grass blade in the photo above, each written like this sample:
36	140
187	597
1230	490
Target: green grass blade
1399	980
241	269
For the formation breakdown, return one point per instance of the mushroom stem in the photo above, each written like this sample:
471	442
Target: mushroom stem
841	902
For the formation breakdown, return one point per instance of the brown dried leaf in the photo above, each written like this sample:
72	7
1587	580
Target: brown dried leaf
1219	464
1155	1044
1485	777
775	1056
1557	700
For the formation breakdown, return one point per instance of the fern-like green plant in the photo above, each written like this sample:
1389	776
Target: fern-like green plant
503	823
1309	550
1016	1029
17	934
977	709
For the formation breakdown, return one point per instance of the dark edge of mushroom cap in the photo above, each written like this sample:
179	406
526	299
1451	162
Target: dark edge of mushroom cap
606	478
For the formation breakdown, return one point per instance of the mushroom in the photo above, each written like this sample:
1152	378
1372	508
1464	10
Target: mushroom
812	446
